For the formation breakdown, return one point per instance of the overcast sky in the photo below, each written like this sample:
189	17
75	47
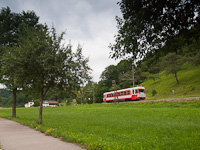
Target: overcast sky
90	23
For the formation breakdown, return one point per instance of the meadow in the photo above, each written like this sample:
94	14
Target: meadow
124	126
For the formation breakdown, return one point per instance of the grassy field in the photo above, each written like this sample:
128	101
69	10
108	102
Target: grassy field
189	84
161	125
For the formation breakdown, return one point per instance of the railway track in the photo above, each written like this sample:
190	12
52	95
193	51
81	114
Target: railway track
165	100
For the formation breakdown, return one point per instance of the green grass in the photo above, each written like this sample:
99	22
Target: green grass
123	126
189	84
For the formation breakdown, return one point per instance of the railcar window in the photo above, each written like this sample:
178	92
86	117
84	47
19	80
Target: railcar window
136	91
112	95
141	90
122	93
128	92
118	93
133	91
125	93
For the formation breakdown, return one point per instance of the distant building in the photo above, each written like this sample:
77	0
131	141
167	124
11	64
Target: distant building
45	104
50	103
29	104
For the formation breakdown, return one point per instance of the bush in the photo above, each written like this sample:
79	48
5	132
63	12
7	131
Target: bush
69	101
36	102
154	92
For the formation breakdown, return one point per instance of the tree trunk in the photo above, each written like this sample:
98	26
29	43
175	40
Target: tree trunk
41	102
176	78
14	103
42	95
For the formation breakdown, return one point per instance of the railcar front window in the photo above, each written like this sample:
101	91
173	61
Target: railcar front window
141	91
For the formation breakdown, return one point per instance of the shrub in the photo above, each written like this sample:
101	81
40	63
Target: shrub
154	92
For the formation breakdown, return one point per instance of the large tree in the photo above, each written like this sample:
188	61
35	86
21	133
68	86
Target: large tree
147	25
172	64
42	62
11	24
110	73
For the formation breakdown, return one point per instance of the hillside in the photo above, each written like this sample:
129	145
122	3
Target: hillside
162	87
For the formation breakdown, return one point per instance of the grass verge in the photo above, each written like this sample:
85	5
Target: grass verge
159	125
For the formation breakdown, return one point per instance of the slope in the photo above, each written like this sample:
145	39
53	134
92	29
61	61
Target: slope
163	86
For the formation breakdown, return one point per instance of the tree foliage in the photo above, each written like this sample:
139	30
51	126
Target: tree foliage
12	23
147	25
42	62
10	26
173	64
35	60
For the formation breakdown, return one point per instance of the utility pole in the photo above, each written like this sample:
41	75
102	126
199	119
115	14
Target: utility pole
114	89
129	77
133	75
93	95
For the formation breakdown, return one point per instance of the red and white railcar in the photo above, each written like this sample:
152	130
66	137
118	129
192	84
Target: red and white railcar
134	93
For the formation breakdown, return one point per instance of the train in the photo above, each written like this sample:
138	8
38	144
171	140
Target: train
128	94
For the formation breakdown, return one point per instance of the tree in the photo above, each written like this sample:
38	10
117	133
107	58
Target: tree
147	25
10	26
126	80
110	73
43	62
81	72
172	64
100	88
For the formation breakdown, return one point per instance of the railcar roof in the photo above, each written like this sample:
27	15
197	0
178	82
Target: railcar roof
138	87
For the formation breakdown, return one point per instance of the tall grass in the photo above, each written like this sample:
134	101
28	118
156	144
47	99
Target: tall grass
161	125
189	84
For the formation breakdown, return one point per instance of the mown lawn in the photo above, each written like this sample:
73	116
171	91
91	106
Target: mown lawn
161	125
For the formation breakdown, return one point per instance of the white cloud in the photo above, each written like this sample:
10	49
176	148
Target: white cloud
88	22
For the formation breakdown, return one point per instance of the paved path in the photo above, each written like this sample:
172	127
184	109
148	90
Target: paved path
14	136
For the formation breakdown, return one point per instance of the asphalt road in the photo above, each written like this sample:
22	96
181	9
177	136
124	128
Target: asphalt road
14	136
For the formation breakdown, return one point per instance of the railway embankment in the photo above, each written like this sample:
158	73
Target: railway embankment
167	100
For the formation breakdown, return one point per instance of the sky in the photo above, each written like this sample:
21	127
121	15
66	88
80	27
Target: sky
90	23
